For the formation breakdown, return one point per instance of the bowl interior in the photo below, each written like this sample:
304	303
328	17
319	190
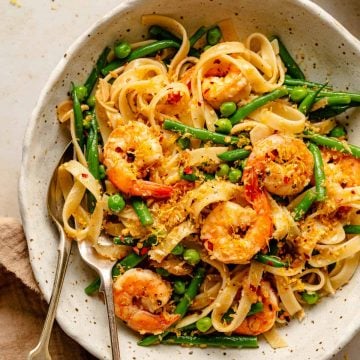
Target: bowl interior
326	52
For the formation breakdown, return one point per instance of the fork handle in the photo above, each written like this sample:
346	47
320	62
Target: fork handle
41	351
107	289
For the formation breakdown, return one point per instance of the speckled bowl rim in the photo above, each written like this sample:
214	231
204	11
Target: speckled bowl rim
348	333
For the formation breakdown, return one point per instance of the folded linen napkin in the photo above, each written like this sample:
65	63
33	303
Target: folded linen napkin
22	307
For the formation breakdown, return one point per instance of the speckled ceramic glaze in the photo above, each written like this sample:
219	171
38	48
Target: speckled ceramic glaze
324	49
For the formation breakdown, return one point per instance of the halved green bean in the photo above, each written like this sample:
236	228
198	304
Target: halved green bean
93	287
337	100
237	341
125	240
96	71
309	101
204	135
334	144
142	211
198	34
141	52
352	229
270	260
304	205
213	35
78	117
329	111
292	67
247	109
232	155
319	172
298	93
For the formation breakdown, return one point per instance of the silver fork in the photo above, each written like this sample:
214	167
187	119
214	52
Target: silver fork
104	268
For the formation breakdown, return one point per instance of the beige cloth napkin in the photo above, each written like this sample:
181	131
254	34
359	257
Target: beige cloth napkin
22	307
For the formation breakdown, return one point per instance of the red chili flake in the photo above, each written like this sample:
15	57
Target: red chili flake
144	251
174	98
210	245
286	179
84	175
253	288
217	61
118	149
188	170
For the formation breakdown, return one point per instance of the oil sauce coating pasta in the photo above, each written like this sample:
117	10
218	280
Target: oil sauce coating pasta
232	199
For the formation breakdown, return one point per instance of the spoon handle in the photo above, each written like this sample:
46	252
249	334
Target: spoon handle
107	289
41	351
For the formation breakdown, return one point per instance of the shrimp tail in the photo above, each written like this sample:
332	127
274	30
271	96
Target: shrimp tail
138	187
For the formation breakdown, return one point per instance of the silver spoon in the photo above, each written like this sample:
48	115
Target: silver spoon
55	205
104	268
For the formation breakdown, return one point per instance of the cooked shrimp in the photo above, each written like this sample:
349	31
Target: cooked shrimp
341	168
283	163
139	297
129	154
224	82
234	234
263	321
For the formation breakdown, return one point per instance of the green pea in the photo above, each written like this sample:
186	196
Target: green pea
223	126
338	131
310	297
191	256
213	35
235	175
122	50
179	287
223	170
183	142
81	92
162	272
91	101
116	203
243	163
178	250
298	93
102	172
204	324
227	108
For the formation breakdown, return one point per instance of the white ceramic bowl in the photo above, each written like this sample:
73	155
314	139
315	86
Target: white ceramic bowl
324	49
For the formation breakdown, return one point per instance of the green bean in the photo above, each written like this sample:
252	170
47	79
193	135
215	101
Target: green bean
352	229
337	100
92	158
289	81
292	67
188	174
182	307
333	143
198	34
141	52
247	109
183	142
78	118
338	131
162	272
237	341
304	205
329	111
201	134
309	101
319	172
213	35
270	260
256	308
160	33
232	155
129	262
93	287
96	71
142	211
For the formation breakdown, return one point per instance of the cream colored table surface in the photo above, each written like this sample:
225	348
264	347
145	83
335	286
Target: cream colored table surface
34	35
